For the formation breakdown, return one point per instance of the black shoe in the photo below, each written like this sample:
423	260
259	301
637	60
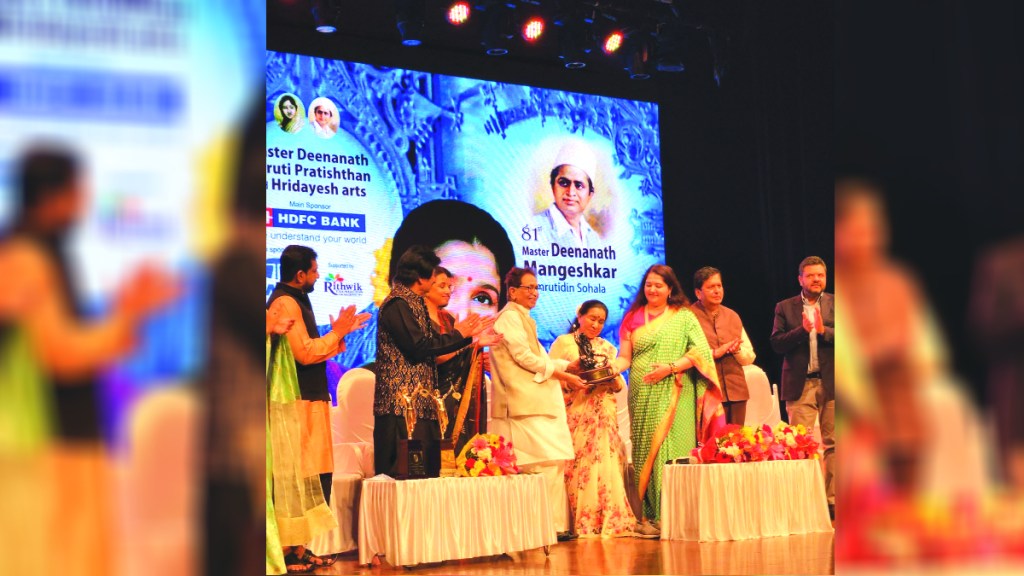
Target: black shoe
567	535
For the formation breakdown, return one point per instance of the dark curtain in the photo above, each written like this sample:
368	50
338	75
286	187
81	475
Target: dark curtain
747	164
930	100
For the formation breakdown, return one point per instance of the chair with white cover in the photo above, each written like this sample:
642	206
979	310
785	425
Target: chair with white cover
351	455
352	435
352	423
763	405
355	404
345	491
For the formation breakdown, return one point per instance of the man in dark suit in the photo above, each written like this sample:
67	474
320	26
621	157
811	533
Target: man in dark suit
804	332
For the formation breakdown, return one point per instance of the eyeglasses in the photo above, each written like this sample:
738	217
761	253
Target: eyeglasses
533	288
566	183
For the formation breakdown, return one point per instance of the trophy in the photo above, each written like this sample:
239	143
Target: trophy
442	414
412	461
447	445
594	366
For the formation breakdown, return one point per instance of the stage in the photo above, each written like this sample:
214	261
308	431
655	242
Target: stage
801	554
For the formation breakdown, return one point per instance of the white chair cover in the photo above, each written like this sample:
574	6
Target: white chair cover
353	421
763	405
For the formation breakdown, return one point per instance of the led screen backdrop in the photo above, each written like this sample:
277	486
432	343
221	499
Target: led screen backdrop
363	161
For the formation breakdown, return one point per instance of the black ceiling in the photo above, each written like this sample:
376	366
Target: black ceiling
697	34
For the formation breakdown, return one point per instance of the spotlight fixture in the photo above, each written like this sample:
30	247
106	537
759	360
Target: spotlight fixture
409	18
458	13
612	42
670	41
326	14
533	28
611	33
638	61
497	29
574	41
411	31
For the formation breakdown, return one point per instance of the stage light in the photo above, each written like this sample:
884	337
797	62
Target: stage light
409	18
638	62
497	28
533	28
612	42
326	14
670	42
574	41
411	32
458	13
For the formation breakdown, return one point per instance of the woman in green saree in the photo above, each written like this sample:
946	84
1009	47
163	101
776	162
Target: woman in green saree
674	395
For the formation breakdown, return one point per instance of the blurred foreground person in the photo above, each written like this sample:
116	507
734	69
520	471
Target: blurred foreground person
997	321
50	358
235	421
913	459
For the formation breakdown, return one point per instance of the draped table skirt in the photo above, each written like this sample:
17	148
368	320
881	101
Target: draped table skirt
709	502
417	521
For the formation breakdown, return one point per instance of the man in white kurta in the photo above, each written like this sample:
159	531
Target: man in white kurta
527	406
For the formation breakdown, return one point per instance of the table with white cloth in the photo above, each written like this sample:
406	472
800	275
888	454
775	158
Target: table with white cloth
738	501
412	522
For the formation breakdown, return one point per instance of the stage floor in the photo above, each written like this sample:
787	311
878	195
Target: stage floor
800	554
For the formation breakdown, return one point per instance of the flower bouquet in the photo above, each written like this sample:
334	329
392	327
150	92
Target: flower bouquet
797	443
486	455
745	444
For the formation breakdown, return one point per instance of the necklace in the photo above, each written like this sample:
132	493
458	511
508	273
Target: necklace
453	390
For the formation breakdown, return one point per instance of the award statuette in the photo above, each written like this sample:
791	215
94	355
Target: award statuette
447	445
594	367
412	462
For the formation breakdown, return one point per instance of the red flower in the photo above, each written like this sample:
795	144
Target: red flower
728	429
722	458
708	451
